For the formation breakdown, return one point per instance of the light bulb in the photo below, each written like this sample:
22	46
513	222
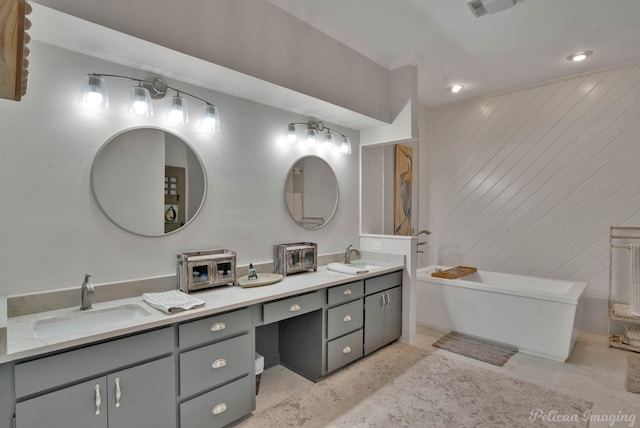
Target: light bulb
178	111
140	102
327	143
94	92
345	146
311	137
211	120
456	88
292	136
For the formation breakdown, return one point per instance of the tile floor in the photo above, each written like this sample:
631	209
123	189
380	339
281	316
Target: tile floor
593	372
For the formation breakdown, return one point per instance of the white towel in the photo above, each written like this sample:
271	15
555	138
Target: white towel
631	336
622	310
634	279
342	268
172	301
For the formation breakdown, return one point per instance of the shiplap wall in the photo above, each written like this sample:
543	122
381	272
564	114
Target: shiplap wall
529	181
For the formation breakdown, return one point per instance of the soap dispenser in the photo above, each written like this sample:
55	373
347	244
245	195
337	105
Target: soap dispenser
252	272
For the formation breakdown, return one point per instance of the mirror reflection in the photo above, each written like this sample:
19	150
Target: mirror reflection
148	181
311	192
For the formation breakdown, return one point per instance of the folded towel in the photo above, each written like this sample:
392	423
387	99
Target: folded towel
342	268
172	301
632	333
622	310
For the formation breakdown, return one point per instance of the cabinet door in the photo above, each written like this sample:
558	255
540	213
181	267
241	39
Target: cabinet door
79	406
373	322
393	314
143	396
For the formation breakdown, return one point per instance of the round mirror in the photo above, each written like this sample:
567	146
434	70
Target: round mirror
311	192
148	181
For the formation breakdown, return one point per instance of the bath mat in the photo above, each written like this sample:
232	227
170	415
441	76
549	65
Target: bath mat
403	386
632	383
495	353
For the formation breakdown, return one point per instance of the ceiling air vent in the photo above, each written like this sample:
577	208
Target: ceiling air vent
477	8
482	7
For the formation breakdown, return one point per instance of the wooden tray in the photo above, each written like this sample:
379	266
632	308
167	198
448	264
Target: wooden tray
263	279
455	272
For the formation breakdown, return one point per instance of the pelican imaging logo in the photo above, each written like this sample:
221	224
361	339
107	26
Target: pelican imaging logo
539	415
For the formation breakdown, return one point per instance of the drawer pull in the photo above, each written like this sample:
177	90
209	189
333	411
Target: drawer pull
346	318
218	326
118	392
347	292
219	409
294	308
98	399
346	350
219	363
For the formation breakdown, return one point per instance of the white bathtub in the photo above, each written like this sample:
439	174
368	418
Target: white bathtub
537	315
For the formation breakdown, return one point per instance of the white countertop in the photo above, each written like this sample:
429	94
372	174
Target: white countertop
23	343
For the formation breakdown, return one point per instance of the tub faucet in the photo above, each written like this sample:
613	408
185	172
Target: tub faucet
87	292
348	252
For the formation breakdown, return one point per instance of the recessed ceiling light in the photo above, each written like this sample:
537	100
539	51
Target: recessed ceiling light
579	56
455	88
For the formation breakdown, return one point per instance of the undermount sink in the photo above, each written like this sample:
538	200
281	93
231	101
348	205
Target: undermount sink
89	321
363	265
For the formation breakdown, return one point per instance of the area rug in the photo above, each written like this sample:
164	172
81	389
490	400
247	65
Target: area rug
477	348
403	386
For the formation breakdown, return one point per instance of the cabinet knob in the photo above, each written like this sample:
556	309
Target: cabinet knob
346	318
98	399
346	292
219	363
218	326
219	409
294	308
346	350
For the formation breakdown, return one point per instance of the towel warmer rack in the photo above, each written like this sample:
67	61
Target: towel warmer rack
619	237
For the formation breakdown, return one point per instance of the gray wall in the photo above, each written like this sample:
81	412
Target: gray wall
53	230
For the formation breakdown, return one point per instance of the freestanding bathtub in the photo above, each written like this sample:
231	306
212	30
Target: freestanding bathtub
537	315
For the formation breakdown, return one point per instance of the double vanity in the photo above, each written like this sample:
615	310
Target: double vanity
125	364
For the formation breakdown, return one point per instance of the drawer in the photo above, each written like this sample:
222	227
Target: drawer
344	319
213	365
346	292
216	327
291	307
344	350
219	407
67	367
383	282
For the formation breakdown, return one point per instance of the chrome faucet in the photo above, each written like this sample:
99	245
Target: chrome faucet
87	291
425	232
348	252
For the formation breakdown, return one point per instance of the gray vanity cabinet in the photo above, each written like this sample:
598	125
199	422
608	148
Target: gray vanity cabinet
382	311
140	397
217	365
63	391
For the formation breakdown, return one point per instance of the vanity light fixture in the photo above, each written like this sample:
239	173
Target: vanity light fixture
94	93
579	56
455	88
328	135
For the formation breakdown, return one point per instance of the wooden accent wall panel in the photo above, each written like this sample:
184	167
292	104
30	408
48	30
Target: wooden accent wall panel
13	50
